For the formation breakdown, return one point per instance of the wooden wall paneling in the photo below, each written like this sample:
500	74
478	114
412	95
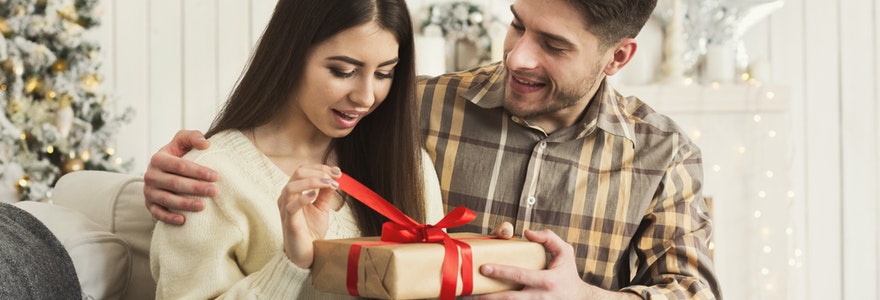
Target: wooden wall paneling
822	149
234	44
260	13
876	124
200	63
130	66
166	72
786	44
858	133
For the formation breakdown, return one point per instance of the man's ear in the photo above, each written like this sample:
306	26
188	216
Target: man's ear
623	52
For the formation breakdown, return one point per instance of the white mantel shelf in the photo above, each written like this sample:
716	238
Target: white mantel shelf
718	98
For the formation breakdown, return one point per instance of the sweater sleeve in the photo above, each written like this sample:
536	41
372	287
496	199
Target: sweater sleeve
434	210
198	261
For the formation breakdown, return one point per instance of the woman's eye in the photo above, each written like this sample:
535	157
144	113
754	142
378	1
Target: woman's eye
381	75
342	74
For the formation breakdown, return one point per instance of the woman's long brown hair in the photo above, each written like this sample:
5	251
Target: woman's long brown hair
383	150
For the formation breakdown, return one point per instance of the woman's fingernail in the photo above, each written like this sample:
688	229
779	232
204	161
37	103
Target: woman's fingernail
505	232
331	182
310	193
335	171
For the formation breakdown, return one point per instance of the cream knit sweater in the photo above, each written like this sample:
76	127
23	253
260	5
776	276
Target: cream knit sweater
233	249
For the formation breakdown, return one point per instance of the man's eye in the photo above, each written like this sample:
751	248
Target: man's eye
517	27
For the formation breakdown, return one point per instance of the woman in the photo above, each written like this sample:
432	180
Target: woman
309	99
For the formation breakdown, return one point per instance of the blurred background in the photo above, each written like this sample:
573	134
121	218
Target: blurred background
780	95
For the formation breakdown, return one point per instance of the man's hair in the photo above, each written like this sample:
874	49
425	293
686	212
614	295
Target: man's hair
614	20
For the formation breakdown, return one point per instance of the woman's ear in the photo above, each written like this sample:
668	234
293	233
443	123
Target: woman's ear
623	52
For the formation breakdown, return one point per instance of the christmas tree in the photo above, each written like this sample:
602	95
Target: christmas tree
56	117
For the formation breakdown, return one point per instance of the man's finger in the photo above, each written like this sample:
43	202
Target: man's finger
165	216
504	231
552	242
166	163
185	140
512	274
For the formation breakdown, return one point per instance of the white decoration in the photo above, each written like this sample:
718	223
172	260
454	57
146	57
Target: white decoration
430	55
673	66
64	119
720	63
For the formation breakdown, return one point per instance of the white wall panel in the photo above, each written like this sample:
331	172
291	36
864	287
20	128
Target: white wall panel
234	44
786	44
166	71
822	150
200	62
130	67
858	132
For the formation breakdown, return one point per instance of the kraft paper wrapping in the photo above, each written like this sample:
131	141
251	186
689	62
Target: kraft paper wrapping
413	270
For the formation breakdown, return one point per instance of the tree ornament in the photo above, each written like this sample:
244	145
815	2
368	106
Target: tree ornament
51	101
64	117
33	83
22	184
4	27
72	165
90	82
59	66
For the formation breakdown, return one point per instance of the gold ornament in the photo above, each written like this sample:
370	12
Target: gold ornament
60	65
14	106
8	65
72	165
90	82
4	27
33	83
22	184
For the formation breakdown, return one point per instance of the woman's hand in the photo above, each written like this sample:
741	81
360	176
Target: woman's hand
305	205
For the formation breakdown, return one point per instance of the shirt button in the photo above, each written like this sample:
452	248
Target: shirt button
532	200
515	118
543	145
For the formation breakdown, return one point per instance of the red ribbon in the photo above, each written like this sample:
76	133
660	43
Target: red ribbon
403	229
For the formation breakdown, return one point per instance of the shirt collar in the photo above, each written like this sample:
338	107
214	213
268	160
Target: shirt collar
605	112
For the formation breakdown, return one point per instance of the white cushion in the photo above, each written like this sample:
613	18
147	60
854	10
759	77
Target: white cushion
113	204
102	260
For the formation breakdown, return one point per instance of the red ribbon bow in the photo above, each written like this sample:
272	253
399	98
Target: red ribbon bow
403	229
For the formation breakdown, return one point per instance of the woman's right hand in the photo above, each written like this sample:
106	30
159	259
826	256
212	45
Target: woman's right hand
305	205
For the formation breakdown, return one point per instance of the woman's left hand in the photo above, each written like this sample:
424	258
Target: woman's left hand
305	205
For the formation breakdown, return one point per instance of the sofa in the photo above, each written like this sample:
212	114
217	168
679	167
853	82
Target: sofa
100	219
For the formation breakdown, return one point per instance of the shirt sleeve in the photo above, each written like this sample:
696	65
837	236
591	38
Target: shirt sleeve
672	259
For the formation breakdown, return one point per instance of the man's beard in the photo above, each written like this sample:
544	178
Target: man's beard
561	99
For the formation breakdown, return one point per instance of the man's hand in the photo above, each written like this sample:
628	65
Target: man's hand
168	175
559	281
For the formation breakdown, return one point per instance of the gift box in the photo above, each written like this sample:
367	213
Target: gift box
391	270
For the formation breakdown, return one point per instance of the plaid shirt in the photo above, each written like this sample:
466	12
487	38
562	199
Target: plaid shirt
622	185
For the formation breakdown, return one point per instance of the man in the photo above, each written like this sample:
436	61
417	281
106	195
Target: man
541	144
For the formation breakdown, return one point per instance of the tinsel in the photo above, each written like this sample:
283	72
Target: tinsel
47	68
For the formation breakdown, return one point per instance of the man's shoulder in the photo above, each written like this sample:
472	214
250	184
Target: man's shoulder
477	74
